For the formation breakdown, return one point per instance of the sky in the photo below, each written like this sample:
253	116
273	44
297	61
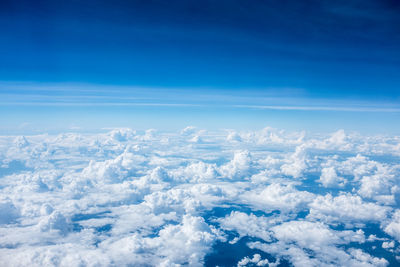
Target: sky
318	65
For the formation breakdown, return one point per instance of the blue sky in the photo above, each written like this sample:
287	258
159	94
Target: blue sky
163	64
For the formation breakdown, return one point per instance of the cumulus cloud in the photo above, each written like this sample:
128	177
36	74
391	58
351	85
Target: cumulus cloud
238	167
346	208
150	198
329	178
285	198
248	225
393	228
314	244
257	261
296	163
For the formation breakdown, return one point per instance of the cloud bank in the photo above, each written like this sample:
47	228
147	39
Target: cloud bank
153	198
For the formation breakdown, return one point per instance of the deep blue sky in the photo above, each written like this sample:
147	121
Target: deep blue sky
332	50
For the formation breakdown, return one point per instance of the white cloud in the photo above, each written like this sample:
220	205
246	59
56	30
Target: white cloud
238	167
296	163
393	228
329	178
129	197
54	221
248	225
257	261
278	197
314	244
313	235
346	208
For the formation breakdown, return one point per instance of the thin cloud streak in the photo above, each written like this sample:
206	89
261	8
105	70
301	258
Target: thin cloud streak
320	108
265	107
97	104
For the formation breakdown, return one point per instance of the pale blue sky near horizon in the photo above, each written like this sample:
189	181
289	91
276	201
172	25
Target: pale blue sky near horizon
31	108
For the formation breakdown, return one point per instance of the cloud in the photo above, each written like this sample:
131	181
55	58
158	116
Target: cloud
346	208
314	244
8	212
239	167
278	197
321	108
393	228
257	261
329	178
248	225
296	163
127	197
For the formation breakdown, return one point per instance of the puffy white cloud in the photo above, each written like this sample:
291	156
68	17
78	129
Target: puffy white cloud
329	178
388	245
129	197
122	134
346	208
313	235
62	255
54	221
233	137
360	257
113	170
296	163
238	167
276	196
393	228
339	140
314	244
196	171
372	179
382	185
257	261
248	225
185	243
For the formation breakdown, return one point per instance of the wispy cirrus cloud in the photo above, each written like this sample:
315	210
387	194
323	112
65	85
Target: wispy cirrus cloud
283	99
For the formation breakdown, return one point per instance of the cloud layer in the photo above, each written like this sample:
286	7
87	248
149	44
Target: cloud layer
167	199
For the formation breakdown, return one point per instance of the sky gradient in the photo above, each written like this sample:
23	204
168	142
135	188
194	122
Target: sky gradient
93	64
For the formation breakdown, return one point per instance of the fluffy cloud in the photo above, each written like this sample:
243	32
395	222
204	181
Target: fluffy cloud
296	163
285	198
329	178
393	228
314	244
149	198
346	208
238	167
257	261
248	225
